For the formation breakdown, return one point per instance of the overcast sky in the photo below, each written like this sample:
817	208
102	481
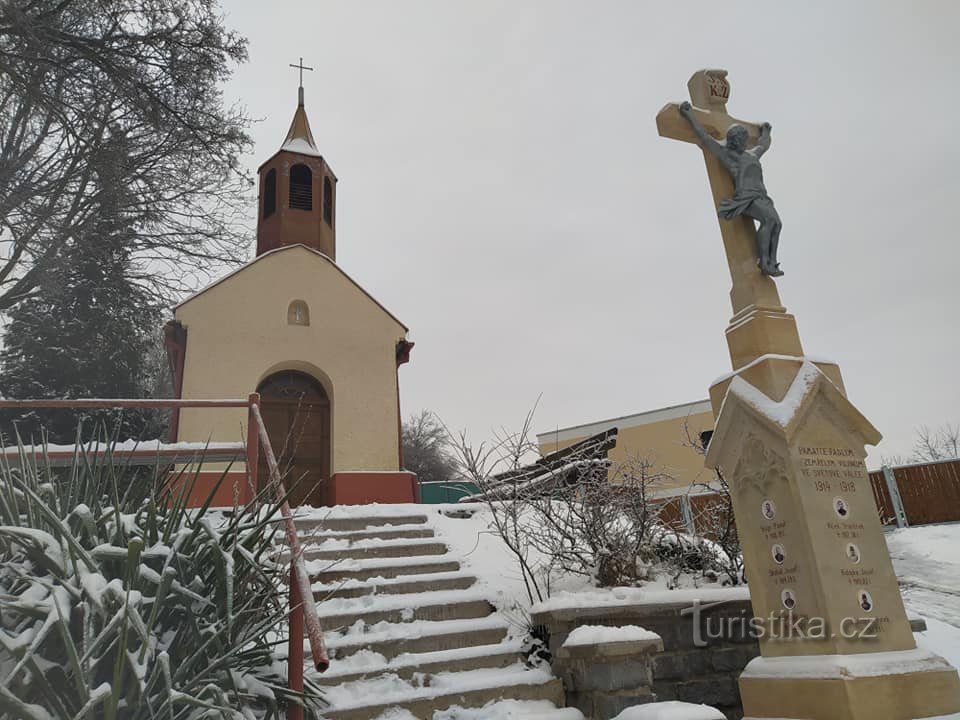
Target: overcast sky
504	192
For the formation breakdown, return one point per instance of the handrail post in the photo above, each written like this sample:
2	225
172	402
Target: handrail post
253	448
301	577
295	649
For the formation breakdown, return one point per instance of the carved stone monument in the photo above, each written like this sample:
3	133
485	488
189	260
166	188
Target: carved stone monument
836	643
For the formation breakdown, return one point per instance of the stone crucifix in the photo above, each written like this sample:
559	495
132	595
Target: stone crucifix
732	150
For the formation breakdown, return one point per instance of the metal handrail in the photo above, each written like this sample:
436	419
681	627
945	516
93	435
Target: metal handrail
299	578
303	610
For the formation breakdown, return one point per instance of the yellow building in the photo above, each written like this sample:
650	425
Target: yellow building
293	326
661	437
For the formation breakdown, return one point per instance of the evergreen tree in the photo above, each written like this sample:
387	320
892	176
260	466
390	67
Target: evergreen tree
87	330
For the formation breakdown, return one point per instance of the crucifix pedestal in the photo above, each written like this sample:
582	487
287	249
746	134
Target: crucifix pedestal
836	643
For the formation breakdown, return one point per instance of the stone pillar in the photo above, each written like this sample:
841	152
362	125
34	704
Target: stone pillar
602	677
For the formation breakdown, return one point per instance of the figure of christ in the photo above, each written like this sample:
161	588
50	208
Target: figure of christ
750	195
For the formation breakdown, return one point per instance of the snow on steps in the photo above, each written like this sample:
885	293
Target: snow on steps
469	688
327	571
390	532
405	628
362	549
419	636
324	521
351	587
366	664
431	605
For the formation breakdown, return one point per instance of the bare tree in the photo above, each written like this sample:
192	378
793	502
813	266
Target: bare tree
715	520
76	76
942	443
896	459
426	448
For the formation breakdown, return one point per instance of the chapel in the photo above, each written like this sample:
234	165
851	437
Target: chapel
294	327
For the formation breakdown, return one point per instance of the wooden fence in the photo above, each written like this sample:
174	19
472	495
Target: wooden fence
929	492
704	513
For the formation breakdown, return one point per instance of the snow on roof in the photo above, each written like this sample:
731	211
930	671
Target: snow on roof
284	248
625	421
300	136
299	145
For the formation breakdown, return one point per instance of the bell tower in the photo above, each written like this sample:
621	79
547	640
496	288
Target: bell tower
298	191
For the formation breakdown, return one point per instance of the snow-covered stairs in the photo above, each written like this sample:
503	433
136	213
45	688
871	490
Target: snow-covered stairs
404	625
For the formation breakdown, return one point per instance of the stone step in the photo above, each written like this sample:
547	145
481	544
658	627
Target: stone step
405	666
422	703
398	533
374	549
419	637
307	524
403	585
364	570
443	608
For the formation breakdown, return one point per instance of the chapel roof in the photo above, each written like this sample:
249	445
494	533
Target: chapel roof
287	248
299	137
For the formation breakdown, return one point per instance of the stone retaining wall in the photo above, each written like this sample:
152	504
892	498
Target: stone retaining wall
682	671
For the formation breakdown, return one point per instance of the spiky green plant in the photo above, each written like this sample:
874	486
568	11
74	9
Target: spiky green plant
119	602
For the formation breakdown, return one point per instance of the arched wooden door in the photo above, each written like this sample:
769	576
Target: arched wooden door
296	412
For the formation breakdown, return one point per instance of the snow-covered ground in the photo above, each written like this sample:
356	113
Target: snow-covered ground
927	562
926	559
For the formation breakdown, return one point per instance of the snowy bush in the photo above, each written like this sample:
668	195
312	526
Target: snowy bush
565	517
575	513
118	602
680	554
590	526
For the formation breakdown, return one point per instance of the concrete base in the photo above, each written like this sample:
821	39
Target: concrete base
929	689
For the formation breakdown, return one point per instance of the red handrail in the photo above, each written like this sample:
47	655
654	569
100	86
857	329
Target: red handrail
299	578
303	610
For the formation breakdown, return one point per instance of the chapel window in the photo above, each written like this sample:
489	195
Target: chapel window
270	193
298	313
301	187
327	201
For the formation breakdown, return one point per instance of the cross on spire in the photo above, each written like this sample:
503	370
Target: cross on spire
301	67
